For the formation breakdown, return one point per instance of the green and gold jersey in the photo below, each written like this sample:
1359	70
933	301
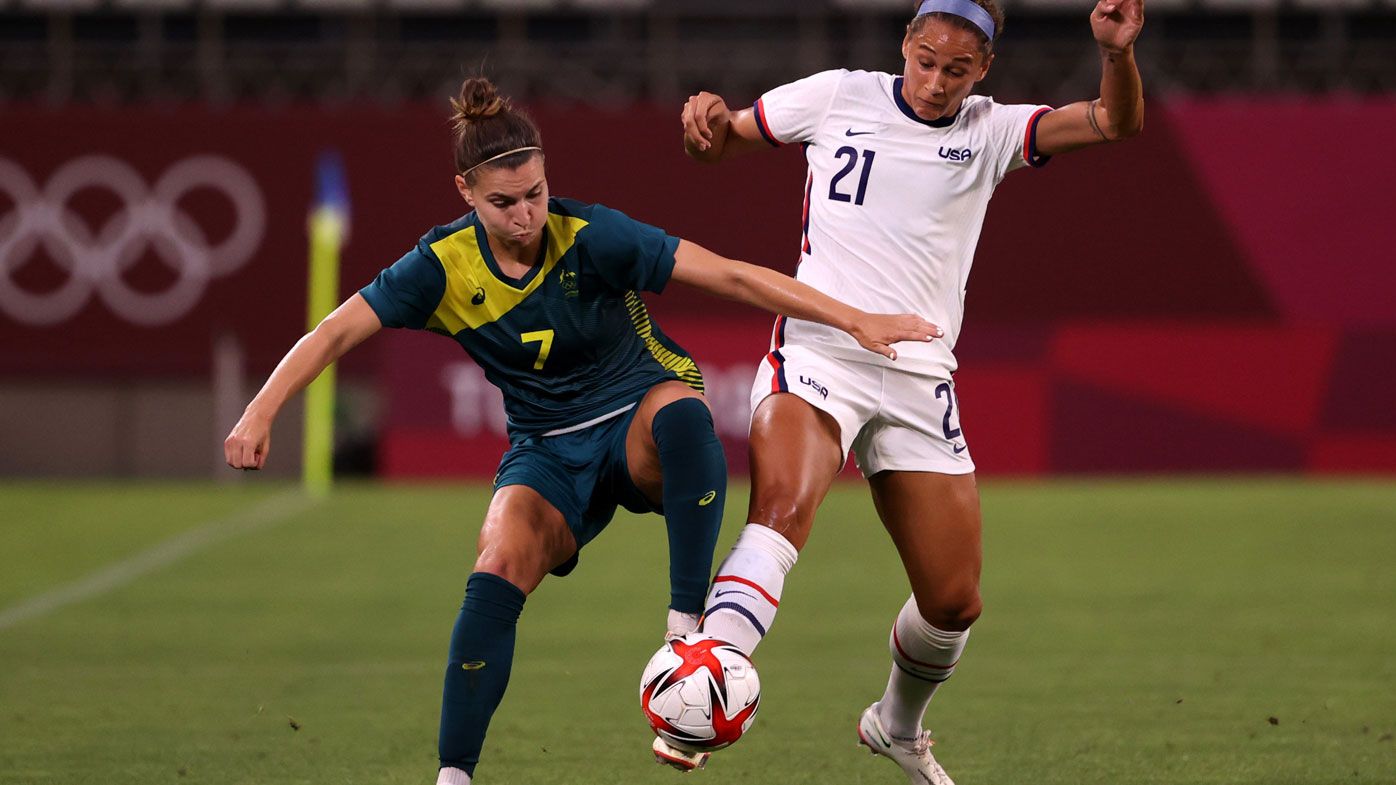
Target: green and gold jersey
569	342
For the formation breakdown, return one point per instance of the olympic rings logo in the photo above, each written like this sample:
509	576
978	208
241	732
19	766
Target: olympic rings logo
149	218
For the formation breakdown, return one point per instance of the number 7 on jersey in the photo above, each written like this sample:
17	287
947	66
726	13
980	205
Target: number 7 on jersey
546	338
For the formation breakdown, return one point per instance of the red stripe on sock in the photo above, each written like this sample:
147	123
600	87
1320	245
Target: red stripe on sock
898	643
735	579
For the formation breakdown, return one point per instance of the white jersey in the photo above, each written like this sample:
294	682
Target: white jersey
893	203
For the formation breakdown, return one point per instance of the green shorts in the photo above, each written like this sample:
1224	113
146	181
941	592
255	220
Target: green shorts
583	474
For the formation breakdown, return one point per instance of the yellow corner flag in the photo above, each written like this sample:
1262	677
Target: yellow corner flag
328	228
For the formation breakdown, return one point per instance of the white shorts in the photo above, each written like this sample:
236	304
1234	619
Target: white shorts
893	420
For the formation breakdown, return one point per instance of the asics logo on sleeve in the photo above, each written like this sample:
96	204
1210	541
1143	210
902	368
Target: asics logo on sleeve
707	498
473	665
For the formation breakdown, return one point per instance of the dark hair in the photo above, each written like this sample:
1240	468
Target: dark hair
485	125
990	6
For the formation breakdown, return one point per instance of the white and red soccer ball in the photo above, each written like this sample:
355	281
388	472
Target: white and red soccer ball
699	693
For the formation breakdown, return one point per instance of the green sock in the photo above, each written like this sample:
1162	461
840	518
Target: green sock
482	652
694	469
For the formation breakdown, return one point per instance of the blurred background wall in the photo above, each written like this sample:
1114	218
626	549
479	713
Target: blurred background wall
1216	295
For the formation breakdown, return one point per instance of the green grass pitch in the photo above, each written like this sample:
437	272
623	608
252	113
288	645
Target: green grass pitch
1136	632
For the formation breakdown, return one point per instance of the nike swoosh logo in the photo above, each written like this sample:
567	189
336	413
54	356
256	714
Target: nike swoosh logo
707	499
473	665
851	132
959	448
734	591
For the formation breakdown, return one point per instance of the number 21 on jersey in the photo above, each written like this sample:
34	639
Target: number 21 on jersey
851	153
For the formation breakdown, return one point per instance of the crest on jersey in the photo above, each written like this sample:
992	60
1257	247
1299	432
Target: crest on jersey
568	280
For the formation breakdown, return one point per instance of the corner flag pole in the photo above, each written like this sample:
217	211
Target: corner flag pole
328	228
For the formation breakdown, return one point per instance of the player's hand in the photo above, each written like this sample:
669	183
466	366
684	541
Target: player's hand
1116	23
705	116
248	443
876	332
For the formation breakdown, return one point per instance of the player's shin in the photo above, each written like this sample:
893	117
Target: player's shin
482	653
745	594
694	469
923	657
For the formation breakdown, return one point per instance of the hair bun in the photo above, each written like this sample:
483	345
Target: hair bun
485	126
478	99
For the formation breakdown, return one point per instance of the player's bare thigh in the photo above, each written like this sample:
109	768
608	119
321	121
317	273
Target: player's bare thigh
934	521
795	457
523	537
641	453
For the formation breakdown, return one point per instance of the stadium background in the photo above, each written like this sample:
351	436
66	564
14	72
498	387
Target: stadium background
1216	295
1215	299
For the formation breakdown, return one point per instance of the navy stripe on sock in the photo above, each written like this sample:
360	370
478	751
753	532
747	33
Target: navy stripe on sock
739	609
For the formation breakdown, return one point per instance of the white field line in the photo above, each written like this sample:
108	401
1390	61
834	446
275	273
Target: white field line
269	513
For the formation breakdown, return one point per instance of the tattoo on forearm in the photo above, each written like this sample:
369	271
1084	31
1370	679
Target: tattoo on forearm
1095	125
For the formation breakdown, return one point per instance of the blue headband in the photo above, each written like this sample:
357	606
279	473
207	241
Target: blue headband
965	10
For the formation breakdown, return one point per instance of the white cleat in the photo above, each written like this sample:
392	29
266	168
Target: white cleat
913	755
680	759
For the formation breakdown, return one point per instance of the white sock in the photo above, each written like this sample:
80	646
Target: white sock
452	776
922	657
742	602
680	624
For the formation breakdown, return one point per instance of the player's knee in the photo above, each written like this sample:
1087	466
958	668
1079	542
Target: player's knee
781	508
781	500
524	570
777	506
953	611
684	428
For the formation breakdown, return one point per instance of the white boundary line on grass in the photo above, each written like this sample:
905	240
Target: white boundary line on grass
269	513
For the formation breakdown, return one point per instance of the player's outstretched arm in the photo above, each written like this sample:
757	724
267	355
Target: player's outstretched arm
781	294
712	132
250	440
1119	112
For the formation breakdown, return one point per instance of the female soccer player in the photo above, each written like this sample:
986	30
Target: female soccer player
604	410
901	168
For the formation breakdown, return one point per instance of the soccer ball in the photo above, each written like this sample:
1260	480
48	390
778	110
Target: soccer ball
699	693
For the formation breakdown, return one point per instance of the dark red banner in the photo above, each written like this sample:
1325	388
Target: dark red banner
128	246
1088	398
1214	295
130	238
